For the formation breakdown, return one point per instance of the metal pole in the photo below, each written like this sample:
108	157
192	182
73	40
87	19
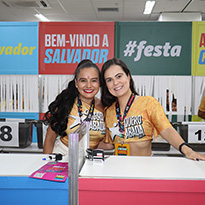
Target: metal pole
73	168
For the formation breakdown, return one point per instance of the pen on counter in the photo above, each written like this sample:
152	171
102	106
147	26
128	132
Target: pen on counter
53	157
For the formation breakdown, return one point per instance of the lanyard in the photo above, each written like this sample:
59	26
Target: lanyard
91	110
119	117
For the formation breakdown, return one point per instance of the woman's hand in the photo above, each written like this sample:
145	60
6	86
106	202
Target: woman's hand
191	154
173	138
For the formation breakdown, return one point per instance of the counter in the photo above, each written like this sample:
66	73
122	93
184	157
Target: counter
118	180
142	180
17	188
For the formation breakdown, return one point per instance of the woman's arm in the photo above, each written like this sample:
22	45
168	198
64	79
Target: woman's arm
49	141
173	138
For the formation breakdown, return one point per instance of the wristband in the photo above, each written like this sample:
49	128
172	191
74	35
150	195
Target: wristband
180	147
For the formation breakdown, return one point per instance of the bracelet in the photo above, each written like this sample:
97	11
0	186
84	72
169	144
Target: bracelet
182	144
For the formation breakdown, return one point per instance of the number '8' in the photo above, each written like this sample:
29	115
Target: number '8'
5	133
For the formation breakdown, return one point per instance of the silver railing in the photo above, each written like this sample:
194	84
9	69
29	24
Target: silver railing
78	143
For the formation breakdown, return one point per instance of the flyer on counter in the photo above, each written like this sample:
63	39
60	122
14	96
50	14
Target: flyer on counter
53	171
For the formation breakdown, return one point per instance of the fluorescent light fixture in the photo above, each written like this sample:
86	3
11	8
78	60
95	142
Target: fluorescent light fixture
180	17
41	17
148	7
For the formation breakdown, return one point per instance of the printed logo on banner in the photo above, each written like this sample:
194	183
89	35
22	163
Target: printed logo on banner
9	134
151	48
198	49
144	49
196	134
64	45
19	47
202	52
75	54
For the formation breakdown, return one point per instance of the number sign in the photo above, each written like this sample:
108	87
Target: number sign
9	134
196	133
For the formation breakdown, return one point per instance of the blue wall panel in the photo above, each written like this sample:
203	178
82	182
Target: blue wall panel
19	48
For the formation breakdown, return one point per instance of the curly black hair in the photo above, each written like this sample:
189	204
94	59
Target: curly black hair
59	110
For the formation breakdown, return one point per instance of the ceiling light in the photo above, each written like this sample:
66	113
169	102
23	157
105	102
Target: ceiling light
108	9
148	7
41	17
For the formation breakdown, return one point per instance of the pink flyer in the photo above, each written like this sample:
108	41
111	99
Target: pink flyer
53	171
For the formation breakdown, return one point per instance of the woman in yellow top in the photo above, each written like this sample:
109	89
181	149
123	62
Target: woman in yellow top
72	106
130	119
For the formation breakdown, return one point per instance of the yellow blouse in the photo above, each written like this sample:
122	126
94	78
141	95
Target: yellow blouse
145	118
96	125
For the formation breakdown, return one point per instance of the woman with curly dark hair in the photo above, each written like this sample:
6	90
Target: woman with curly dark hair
74	105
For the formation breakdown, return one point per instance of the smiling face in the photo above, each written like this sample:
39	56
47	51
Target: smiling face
118	83
87	83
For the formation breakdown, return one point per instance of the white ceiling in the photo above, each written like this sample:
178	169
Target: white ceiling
87	10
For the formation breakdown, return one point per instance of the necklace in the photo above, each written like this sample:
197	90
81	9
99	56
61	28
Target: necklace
118	113
91	110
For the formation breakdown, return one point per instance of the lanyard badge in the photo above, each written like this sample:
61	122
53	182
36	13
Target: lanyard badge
122	149
91	110
121	119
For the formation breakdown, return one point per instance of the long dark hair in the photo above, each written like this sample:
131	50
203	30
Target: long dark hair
107	98
60	108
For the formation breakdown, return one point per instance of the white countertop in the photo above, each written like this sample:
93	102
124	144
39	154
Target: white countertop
113	167
20	164
145	168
